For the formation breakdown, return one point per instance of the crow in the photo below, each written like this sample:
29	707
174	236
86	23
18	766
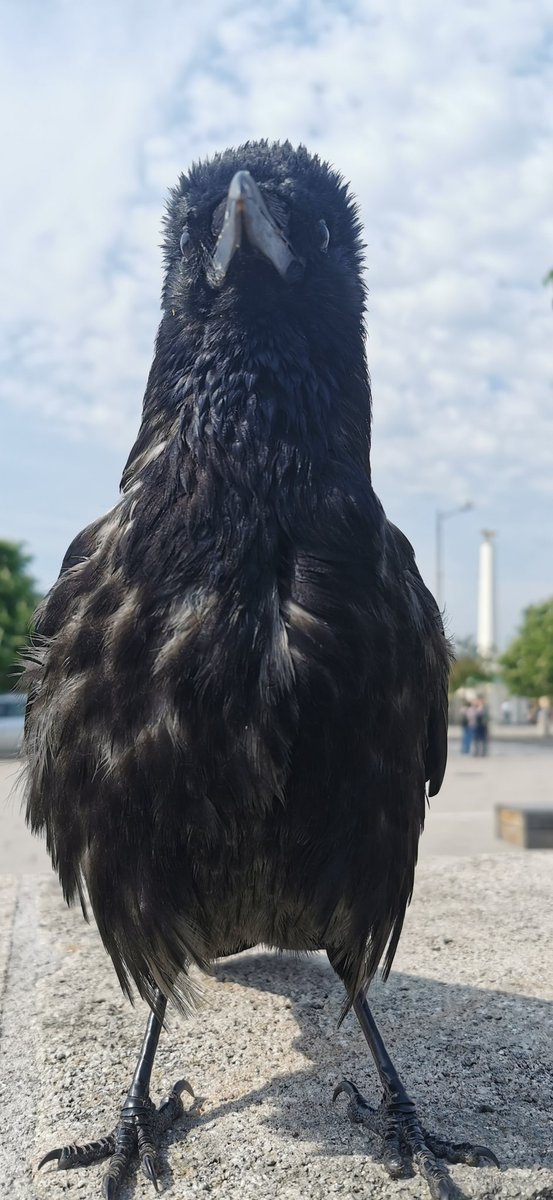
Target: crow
238	683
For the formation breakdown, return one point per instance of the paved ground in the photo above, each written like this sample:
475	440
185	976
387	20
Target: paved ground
467	1013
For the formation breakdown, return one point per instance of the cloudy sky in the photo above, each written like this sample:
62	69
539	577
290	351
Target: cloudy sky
442	118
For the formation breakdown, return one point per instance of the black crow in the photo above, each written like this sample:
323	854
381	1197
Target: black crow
239	685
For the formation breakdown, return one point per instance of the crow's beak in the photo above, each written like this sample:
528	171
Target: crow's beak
247	215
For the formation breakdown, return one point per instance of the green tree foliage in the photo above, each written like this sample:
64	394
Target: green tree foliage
469	668
527	664
18	598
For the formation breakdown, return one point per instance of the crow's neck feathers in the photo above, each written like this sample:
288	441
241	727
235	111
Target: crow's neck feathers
242	397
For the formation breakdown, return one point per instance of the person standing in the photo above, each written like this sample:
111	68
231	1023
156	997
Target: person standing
480	729
466	730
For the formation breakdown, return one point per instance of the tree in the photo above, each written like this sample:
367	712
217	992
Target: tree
18	598
528	662
469	667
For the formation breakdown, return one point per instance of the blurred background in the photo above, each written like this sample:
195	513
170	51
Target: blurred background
441	118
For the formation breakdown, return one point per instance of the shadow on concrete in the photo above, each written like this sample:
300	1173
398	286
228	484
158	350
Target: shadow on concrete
479	1063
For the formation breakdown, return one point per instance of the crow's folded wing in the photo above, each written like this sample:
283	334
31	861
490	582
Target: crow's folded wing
437	657
436	752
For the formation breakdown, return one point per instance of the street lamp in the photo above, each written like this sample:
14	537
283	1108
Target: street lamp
440	518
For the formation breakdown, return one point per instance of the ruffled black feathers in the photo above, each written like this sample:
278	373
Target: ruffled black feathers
240	681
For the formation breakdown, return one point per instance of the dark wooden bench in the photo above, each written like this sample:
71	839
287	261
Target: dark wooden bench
530	828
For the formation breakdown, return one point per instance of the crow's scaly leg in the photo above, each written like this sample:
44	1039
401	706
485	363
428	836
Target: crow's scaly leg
397	1122
140	1123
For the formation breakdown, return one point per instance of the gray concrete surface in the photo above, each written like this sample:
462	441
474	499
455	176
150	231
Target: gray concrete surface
467	1014
461	818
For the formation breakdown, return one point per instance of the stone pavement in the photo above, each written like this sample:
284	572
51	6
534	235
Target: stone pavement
467	1014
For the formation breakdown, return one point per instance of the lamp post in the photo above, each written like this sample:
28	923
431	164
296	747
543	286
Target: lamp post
440	518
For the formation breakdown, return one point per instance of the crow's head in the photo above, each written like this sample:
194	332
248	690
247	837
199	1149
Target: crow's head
261	230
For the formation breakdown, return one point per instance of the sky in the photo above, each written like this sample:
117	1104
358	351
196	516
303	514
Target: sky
441	117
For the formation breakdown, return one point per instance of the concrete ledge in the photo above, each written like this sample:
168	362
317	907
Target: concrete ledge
467	1015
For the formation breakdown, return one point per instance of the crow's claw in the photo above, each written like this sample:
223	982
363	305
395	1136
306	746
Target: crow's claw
148	1167
80	1156
126	1140
110	1184
471	1154
357	1106
52	1154
360	1111
137	1133
172	1108
405	1141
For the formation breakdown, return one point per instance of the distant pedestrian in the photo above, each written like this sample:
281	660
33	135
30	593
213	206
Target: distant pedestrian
467	731
506	712
480	738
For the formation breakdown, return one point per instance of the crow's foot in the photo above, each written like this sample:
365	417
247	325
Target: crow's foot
137	1134
404	1140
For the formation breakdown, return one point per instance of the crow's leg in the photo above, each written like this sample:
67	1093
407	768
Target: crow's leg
397	1121
139	1126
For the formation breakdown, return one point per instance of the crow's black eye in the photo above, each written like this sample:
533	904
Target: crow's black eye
184	239
324	236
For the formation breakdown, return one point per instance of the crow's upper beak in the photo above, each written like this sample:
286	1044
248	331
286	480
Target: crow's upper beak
247	214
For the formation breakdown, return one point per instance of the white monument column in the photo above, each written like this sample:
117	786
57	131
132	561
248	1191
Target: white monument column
486	635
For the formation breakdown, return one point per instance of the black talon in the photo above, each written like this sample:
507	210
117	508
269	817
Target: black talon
482	1154
358	1107
487	1156
462	1152
182	1085
52	1154
172	1108
114	1176
109	1187
149	1170
349	1088
146	1148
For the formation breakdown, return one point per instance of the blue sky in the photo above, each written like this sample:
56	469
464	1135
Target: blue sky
441	117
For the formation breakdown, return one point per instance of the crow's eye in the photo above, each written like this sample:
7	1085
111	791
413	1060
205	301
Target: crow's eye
184	239
324	236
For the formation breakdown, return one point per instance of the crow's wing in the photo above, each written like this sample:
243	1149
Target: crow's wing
426	616
436	751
